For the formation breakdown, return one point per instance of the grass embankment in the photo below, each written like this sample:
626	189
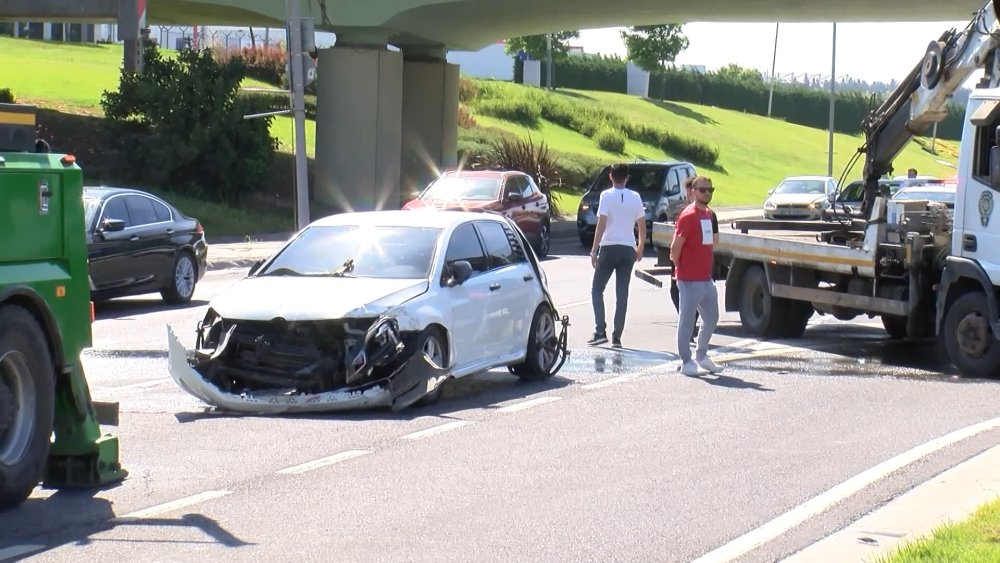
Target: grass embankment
976	540
754	152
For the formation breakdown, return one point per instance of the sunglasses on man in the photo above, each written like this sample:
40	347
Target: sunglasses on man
704	190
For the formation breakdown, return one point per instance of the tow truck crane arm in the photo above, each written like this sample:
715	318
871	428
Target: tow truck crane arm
921	99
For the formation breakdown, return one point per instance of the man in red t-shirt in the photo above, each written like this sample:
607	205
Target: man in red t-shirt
691	253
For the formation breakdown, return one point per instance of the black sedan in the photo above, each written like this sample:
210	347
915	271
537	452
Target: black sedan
137	243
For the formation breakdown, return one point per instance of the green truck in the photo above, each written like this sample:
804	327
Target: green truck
50	429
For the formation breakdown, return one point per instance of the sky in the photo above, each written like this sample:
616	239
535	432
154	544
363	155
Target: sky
802	47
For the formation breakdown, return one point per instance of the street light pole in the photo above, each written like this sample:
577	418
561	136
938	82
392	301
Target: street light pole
548	56
833	87
298	108
774	61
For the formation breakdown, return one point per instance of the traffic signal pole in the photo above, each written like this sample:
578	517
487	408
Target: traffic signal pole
297	84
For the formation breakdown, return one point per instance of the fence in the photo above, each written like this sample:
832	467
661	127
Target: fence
175	37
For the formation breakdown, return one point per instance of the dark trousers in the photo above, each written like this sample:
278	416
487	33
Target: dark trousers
617	259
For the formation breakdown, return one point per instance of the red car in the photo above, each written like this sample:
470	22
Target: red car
512	193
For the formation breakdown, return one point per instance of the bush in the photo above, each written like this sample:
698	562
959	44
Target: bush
467	90
465	118
516	110
180	126
534	160
266	64
7	96
610	140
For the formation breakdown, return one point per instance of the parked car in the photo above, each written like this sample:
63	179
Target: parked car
138	243
658	184
375	309
800	197
510	193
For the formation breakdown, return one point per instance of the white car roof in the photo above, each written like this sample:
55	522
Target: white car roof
808	178
405	218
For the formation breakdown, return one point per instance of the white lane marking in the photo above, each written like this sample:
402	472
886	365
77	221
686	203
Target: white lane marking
170	506
528	404
324	461
18	550
629	376
573	304
436	429
816	505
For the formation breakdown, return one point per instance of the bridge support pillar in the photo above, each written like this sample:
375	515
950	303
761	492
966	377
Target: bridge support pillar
358	128
430	118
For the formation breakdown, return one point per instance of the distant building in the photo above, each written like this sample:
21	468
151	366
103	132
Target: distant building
49	31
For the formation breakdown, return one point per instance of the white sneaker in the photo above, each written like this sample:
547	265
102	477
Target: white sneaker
690	368
709	365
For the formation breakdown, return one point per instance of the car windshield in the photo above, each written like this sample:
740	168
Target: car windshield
358	251
817	187
648	182
464	188
947	198
90	208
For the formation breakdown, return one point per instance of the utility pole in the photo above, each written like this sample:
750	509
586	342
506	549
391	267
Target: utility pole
294	27
548	56
833	88
774	61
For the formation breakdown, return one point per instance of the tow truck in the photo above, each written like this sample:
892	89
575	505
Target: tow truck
50	429
925	272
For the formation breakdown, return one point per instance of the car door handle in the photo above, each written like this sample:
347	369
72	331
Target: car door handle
170	231
134	238
528	277
969	243
494	286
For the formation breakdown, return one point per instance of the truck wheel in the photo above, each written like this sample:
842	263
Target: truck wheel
27	398
760	313
969	339
182	280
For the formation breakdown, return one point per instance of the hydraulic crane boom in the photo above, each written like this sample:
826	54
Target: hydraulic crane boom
921	99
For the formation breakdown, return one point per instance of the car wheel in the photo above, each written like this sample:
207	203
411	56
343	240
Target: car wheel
27	399
543	347
433	343
544	241
182	281
586	240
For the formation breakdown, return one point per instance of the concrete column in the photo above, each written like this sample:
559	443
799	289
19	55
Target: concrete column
358	127
17	29
47	31
430	119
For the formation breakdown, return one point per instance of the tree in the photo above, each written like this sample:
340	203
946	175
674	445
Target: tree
651	47
535	45
738	73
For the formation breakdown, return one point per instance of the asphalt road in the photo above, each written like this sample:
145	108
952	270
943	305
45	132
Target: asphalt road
616	458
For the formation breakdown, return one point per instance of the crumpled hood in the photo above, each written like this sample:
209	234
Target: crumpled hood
795	199
313	298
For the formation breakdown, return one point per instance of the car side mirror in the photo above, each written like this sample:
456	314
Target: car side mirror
771	191
514	196
460	272
112	225
256	266
995	167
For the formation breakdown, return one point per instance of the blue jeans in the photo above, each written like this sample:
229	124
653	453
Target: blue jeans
617	259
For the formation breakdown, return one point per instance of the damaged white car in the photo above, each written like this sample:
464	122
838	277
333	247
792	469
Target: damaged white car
375	309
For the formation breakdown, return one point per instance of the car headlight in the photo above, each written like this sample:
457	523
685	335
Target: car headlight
819	204
584	207
768	204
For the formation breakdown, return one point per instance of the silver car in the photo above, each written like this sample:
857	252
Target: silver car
800	197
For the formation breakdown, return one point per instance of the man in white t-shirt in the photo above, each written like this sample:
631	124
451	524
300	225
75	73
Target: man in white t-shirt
615	250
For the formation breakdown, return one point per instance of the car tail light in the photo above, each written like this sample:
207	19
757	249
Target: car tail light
198	228
93	317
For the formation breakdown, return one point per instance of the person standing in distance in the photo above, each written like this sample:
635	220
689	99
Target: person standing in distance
674	292
691	253
615	249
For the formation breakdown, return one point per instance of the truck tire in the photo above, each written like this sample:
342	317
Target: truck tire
969	339
27	398
760	313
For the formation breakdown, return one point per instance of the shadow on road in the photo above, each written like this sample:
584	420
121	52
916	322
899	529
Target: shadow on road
73	517
730	382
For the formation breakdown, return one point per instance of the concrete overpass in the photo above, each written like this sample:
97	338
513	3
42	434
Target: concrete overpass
386	118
